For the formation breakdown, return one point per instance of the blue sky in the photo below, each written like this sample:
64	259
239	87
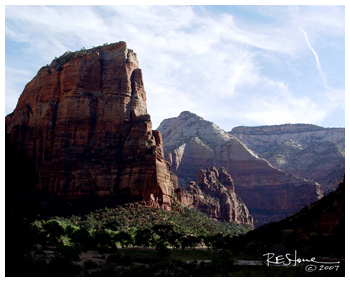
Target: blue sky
233	65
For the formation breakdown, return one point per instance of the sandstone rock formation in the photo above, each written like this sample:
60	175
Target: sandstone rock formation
214	194
83	122
191	144
308	151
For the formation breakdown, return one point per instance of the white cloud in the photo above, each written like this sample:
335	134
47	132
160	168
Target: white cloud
316	57
279	106
336	97
324	21
207	63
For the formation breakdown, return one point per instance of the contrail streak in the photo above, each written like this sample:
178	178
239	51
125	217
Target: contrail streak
316	57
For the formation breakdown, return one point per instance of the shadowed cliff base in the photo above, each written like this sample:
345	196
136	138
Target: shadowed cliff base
227	255
317	230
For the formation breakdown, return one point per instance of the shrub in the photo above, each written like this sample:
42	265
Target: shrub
82	238
53	231
124	238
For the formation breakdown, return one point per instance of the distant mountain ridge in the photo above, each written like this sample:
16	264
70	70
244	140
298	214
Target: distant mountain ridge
306	150
191	125
191	143
305	134
285	128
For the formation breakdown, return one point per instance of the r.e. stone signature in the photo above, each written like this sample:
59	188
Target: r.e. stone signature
286	260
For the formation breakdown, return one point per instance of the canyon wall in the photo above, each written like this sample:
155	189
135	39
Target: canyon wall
83	122
192	143
308	151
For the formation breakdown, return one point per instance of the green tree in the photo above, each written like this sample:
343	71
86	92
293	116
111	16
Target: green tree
164	232
144	237
82	238
123	238
102	241
53	231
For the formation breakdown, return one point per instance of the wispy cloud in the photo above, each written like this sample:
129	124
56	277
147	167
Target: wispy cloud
219	65
316	57
281	106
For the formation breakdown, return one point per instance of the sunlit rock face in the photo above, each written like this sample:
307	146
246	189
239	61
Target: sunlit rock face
306	150
192	143
214	194
83	121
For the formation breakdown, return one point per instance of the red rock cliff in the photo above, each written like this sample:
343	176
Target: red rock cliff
83	121
214	194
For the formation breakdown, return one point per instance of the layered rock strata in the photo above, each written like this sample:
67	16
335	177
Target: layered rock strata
83	122
214	194
308	151
191	144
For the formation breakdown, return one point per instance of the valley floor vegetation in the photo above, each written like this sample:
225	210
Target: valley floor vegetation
51	247
133	240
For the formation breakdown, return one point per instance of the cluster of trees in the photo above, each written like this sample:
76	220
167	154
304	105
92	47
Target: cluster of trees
69	241
105	240
108	229
134	216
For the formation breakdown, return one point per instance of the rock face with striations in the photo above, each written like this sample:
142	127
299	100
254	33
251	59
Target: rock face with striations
191	144
83	122
306	150
214	194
